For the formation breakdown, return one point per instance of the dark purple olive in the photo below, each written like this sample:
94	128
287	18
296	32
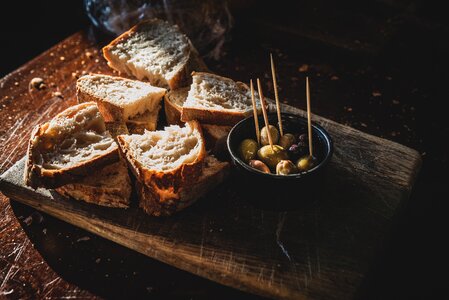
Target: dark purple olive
294	149
303	147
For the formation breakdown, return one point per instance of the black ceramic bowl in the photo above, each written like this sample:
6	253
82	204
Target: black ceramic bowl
277	191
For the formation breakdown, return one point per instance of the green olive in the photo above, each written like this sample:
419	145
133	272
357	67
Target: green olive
286	167
287	140
264	135
247	150
257	164
306	163
272	155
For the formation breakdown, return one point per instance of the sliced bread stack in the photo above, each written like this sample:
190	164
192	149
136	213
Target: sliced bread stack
69	150
156	51
122	100
167	164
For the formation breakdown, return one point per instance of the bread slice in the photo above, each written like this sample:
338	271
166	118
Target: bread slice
158	202
109	186
218	100
72	145
156	51
166	159
215	135
122	100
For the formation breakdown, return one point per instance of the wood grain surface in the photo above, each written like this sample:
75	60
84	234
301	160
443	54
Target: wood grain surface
322	251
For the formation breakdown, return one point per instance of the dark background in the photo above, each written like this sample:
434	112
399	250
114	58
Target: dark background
379	66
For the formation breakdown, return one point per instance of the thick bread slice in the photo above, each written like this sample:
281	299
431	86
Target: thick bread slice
167	159
160	202
218	100
73	144
215	135
156	51
119	99
108	186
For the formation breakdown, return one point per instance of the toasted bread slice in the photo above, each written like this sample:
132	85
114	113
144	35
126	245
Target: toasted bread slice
165	202
73	144
217	100
167	158
122	100
156	51
109	186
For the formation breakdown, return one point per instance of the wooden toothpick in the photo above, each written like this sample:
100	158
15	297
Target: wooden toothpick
264	110
278	106
256	119
309	117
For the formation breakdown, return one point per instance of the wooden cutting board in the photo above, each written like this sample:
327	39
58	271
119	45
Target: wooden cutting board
321	251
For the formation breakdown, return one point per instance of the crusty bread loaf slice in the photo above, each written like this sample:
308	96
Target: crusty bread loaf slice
160	202
218	100
215	135
156	51
107	186
70	146
167	158
122	100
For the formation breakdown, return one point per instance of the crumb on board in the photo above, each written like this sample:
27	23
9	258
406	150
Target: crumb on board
58	94
37	83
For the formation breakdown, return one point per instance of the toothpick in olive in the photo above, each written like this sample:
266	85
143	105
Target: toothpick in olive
271	156
287	140
264	135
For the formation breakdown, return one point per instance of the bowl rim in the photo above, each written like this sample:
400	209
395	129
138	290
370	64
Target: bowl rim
315	127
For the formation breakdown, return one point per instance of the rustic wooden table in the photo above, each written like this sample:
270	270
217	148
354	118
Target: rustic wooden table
388	91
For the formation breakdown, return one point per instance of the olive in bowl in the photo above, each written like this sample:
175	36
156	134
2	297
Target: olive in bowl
279	190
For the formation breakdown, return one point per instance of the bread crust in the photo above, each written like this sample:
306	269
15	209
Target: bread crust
109	111
159	202
171	179
173	110
193	62
210	116
105	195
